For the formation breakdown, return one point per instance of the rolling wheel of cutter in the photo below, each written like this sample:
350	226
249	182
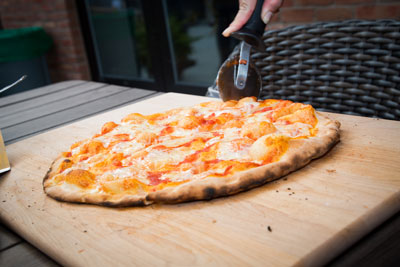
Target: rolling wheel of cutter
227	77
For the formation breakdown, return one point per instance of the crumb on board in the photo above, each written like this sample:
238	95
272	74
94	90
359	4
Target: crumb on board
269	228
214	221
330	170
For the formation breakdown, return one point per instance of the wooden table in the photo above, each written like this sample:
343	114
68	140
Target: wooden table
33	112
27	114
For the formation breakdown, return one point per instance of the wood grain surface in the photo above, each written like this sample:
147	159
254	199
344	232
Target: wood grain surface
306	218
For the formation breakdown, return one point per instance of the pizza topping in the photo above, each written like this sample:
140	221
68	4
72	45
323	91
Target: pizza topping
255	130
269	148
134	118
92	148
65	164
154	178
81	178
150	152
304	115
108	127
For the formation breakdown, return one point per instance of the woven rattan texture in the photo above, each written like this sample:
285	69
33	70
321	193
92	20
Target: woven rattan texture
347	67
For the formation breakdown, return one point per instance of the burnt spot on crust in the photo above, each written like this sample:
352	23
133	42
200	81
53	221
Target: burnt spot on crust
319	151
224	190
58	198
47	176
247	184
287	167
108	204
297	161
137	203
67	160
209	193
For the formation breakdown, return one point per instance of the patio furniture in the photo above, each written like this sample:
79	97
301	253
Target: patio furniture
349	67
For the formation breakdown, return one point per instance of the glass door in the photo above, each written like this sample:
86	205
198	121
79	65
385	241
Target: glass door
164	45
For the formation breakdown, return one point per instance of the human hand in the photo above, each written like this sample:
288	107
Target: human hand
246	8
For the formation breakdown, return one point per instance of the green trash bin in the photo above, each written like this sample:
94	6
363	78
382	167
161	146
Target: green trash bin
22	52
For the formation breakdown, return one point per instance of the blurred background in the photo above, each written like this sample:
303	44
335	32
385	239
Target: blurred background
163	45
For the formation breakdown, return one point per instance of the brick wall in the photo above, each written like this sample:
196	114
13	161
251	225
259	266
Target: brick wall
308	11
67	58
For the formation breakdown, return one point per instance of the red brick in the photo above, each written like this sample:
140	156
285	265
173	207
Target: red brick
287	3
63	24
57	15
275	18
334	13
75	76
378	12
67	42
67	58
297	15
350	2
277	26
314	2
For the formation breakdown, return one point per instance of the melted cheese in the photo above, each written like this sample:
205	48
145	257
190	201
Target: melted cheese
185	144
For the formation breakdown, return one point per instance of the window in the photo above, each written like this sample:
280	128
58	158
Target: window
163	45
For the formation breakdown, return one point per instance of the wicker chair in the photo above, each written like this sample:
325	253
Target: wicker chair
349	67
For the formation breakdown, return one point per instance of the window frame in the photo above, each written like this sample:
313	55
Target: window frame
160	49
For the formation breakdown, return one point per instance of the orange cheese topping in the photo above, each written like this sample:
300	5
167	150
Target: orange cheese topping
212	139
80	178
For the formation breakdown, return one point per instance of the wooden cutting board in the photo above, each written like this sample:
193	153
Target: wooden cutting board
306	218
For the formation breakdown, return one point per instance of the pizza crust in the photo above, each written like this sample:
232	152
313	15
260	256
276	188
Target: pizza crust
299	153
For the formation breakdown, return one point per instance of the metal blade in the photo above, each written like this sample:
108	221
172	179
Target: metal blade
227	76
243	69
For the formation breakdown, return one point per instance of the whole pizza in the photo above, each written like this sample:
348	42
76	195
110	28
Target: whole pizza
201	152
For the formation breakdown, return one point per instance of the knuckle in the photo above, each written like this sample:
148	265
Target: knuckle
243	6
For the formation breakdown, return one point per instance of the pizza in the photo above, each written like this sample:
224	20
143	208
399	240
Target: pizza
201	152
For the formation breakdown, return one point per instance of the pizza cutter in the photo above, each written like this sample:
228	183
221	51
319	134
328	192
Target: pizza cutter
238	77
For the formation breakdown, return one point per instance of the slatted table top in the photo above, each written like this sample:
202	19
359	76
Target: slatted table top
33	112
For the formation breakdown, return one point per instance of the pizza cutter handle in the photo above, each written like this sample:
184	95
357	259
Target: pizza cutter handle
252	31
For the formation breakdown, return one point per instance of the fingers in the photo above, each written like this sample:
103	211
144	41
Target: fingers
246	8
269	8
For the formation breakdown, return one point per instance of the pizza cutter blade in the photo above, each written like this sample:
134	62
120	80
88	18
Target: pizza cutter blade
238	77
